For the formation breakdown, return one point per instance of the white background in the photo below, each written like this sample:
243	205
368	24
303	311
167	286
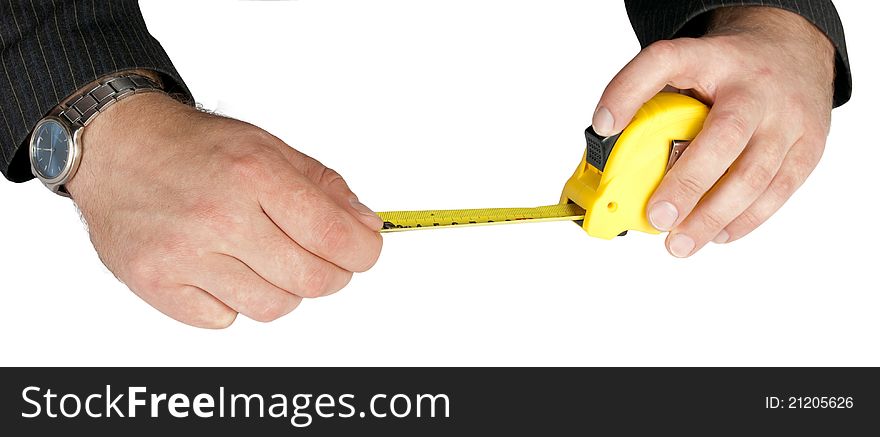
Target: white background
484	104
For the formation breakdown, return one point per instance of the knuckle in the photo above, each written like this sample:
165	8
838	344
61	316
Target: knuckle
145	274
757	176
316	282
663	49
201	311
750	219
775	145
339	281
246	165
257	164
784	186
732	129
246	134
217	320
689	186
741	97
255	135
344	280
277	310
711	220
806	162
329	177
152	266
313	168
795	104
372	253
333	234
367	253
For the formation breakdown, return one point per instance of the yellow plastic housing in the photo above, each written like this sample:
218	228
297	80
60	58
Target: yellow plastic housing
616	199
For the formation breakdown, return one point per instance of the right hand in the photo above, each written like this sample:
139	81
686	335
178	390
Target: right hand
205	217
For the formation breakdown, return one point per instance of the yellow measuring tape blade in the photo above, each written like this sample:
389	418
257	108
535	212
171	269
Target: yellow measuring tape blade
396	221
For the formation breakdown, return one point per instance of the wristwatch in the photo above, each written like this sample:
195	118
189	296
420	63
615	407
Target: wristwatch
55	148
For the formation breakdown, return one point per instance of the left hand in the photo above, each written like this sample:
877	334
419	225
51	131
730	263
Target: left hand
768	75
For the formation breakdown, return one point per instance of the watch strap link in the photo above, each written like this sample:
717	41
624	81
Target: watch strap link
81	109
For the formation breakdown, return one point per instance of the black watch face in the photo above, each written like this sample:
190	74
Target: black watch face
51	149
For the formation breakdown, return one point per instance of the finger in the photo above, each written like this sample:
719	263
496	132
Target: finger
270	253
316	222
800	161
190	305
333	184
726	131
676	62
747	178
236	285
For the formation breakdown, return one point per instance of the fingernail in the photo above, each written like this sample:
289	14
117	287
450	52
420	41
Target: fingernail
721	238
680	245
603	121
663	215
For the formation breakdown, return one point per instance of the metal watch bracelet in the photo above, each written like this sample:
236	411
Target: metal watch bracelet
82	108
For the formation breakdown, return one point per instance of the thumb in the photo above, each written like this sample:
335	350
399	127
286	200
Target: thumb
677	63
335	186
332	183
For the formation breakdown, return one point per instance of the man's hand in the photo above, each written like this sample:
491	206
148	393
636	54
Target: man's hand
768	75
205	217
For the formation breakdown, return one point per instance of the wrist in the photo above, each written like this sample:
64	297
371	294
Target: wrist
795	39
772	24
110	138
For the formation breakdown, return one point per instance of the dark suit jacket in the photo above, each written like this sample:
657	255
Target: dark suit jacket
50	49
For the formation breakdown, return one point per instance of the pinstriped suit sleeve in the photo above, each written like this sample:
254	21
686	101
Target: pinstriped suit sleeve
52	48
654	20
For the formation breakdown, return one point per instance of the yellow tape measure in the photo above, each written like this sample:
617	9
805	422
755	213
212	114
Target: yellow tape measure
396	221
609	190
